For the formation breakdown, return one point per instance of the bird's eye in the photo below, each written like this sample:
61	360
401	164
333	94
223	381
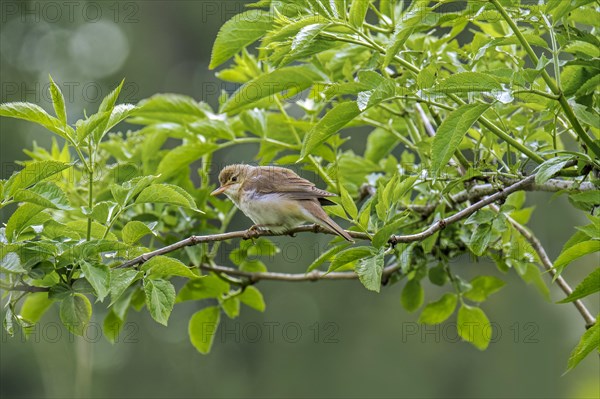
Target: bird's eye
234	178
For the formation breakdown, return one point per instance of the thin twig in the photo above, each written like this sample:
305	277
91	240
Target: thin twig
547	263
27	288
292	277
466	212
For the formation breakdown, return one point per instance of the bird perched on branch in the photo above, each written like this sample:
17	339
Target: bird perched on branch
276	198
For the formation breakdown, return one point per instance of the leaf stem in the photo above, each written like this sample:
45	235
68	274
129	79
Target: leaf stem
90	192
538	92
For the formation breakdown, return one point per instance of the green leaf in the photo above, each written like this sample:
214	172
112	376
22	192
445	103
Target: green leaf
466	82
305	37
119	113
120	280
112	326
11	263
231	307
161	266
591	197
438	311
350	255
26	215
202	328
168	194
480	239
549	168
103	120
75	313
380	89
451	132
32	173
438	275
179	158
60	291
123	194
587	88
338	117
212	128
576	251
160	299
33	113
109	101
253	298
426	78
412	295
135	230
98	230
482	287
348	203
58	101
291	80
590	118
93	123
358	12
589	341
589	286
473	326
480	217
379	144
239	32
582	49
46	194
170	108
369	271
209	286
400	37
591	230
35	305
325	256
260	247
383	235
533	275
98	276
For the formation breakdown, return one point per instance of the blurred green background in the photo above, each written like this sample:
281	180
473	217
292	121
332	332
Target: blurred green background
332	339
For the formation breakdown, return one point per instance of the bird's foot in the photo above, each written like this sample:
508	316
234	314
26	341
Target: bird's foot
254	231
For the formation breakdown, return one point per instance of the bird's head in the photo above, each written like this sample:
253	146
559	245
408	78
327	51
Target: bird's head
231	178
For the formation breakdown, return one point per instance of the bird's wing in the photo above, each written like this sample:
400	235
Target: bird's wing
271	179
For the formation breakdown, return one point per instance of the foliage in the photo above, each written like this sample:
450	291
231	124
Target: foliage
447	100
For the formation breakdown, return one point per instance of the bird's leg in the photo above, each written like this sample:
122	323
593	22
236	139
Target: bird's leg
254	231
259	227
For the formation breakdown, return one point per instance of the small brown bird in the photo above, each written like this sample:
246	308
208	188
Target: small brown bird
275	198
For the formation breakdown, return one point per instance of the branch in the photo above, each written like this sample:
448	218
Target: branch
481	190
293	277
466	212
244	234
554	185
547	263
27	288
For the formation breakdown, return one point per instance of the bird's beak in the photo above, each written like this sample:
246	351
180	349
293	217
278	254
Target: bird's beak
219	190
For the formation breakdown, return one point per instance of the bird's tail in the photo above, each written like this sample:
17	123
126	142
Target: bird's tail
324	220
